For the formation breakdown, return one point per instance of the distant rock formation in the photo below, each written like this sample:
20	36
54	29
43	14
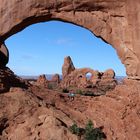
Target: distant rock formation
107	81
42	80
56	78
78	77
108	74
67	67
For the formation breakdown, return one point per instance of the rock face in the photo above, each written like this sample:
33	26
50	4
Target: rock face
79	78
107	81
108	74
67	67
56	78
8	79
24	116
43	114
42	80
4	55
115	21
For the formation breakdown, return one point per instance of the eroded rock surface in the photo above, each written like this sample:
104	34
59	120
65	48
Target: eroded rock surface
24	116
4	55
56	78
40	113
42	80
67	67
8	79
78	78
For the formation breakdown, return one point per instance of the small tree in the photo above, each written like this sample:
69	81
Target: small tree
78	91
50	86
74	129
92	133
65	90
89	131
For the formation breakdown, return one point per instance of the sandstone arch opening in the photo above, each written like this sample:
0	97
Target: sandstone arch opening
65	41
88	75
116	22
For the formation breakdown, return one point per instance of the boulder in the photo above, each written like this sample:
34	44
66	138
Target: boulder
108	74
107	81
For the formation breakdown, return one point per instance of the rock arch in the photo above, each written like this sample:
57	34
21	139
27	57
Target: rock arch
115	21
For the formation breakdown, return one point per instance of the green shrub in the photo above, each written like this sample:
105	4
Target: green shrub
92	133
50	86
89	132
65	90
78	91
74	129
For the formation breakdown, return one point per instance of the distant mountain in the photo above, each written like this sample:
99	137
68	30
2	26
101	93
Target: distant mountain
120	79
48	76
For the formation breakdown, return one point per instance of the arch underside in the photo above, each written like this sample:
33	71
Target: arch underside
109	20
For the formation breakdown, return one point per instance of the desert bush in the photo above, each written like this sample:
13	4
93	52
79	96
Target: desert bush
89	132
76	130
79	91
65	90
92	133
50	86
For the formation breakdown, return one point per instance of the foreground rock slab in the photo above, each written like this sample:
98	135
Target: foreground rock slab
39	113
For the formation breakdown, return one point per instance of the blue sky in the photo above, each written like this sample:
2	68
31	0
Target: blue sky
41	48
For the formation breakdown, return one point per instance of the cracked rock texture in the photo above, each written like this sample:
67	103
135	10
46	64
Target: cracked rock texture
115	21
39	113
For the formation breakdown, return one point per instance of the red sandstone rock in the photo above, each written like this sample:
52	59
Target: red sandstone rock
95	78
116	22
8	79
107	81
27	118
42	80
4	55
100	82
56	78
108	74
67	67
43	113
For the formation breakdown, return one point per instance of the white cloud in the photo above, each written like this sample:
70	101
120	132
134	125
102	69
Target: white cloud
28	56
63	41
